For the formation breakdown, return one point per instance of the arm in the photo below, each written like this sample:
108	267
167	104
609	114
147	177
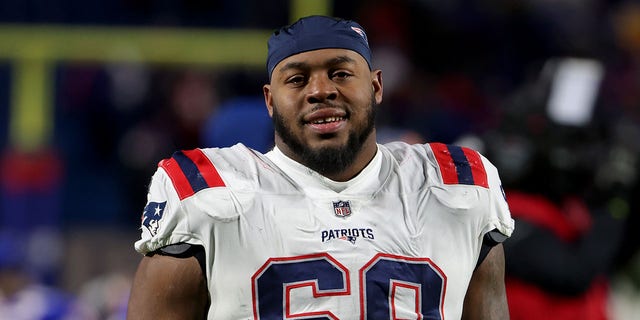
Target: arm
486	296
166	287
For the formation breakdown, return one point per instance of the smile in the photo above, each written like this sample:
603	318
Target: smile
327	120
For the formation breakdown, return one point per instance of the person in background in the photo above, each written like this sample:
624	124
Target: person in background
569	192
228	125
23	295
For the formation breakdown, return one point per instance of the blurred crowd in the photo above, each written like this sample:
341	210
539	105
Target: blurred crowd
549	91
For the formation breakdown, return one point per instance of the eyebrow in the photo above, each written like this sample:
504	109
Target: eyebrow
339	60
329	62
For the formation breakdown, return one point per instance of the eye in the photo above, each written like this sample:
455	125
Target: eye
296	79
340	74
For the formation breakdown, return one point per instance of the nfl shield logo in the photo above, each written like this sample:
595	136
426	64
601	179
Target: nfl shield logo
342	208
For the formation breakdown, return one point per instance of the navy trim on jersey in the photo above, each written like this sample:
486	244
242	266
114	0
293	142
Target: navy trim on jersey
191	171
459	165
463	169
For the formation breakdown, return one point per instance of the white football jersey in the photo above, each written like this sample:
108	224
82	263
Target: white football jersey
398	241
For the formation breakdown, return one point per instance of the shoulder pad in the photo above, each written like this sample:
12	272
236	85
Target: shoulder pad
191	171
460	165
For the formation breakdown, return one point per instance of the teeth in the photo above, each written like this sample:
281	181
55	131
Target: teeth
327	120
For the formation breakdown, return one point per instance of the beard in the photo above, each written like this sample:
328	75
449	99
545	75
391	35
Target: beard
326	160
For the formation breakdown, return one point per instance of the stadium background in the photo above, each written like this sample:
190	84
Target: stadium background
94	93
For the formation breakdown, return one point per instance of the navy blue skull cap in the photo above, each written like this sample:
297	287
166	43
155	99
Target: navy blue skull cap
313	33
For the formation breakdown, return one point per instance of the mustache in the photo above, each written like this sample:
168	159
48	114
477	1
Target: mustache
327	105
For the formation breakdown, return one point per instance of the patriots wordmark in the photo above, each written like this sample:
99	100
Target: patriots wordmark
347	234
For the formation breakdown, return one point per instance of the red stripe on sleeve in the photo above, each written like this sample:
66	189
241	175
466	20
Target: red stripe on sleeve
477	168
179	180
206	168
445	161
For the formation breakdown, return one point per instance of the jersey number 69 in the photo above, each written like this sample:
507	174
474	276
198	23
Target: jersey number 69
382	281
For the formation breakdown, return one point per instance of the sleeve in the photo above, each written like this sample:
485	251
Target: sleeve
499	218
461	166
164	220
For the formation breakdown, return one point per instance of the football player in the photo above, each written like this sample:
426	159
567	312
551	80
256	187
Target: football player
329	224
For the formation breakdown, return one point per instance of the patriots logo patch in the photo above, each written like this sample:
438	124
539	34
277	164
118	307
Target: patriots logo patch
153	212
351	239
342	208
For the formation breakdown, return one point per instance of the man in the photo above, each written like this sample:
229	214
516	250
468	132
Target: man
329	224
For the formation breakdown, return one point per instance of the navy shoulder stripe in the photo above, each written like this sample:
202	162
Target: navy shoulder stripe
191	171
460	165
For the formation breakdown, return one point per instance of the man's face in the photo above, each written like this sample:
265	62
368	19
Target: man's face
323	107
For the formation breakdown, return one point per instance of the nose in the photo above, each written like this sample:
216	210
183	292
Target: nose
321	88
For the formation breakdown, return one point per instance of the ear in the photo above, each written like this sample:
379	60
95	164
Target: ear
268	99
376	82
